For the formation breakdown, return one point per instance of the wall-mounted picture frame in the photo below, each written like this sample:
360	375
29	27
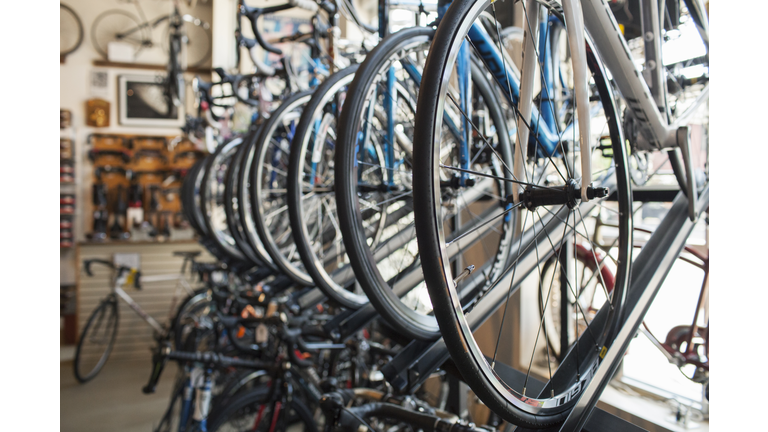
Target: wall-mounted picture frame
142	103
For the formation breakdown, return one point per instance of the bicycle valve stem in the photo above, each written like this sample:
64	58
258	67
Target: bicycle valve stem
466	272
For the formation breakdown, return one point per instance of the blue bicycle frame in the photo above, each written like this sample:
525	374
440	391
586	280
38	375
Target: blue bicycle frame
543	125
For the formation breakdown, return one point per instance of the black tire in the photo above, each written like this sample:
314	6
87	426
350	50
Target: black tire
236	384
212	198
194	304
191	197
322	270
67	18
243	408
482	374
232	204
186	196
269	205
407	321
245	204
102	324
107	25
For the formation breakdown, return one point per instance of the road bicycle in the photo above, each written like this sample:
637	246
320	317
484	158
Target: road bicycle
186	39
570	157
100	332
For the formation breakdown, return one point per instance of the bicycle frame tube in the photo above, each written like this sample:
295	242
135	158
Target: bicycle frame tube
465	102
655	132
415	75
499	66
186	402
390	103
139	311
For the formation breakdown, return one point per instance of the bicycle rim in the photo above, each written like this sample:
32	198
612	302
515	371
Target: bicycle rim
374	185
96	341
269	182
311	197
544	227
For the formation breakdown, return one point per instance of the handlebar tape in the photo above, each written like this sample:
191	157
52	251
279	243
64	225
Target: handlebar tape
87	265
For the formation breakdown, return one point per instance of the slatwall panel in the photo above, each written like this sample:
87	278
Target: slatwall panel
134	335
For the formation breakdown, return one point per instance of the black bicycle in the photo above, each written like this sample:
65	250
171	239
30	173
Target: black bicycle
187	40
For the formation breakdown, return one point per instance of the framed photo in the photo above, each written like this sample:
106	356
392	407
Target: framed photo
142	103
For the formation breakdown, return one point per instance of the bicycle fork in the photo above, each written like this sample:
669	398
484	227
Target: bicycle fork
574	24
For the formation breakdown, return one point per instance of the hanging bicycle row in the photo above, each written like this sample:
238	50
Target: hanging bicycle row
366	208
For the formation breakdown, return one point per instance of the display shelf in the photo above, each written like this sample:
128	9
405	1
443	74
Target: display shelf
110	242
145	66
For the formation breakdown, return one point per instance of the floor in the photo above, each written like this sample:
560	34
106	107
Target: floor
113	401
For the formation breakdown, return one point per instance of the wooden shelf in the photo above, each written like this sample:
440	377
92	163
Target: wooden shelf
110	242
144	66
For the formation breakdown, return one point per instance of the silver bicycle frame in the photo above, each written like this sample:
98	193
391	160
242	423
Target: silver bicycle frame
655	131
647	104
179	278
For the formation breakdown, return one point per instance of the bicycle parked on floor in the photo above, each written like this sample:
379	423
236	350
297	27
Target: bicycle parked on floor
100	332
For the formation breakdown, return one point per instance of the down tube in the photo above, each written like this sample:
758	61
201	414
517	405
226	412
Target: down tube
508	81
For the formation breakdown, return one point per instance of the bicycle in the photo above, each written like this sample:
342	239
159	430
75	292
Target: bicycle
100	332
184	31
570	155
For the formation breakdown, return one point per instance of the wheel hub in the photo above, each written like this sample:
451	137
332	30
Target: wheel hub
568	194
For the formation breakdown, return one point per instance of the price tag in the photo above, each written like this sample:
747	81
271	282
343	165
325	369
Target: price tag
262	334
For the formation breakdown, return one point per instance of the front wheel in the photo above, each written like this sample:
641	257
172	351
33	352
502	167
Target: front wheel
466	284
96	341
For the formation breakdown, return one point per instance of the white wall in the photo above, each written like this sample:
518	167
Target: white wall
74	76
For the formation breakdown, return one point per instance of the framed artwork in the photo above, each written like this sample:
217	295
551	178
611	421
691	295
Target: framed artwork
142	103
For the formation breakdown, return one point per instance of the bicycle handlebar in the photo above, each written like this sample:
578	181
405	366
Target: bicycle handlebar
253	14
120	270
162	355
220	360
87	265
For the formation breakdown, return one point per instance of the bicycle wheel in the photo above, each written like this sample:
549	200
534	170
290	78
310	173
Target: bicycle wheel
311	200
256	412
269	186
70	30
190	196
562	320
244	208
119	26
196	41
449	236
232	203
389	270
96	340
212	198
194	306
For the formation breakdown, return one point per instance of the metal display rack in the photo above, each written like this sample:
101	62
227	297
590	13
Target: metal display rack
414	364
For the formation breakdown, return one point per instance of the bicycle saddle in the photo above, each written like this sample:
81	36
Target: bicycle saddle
187	254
